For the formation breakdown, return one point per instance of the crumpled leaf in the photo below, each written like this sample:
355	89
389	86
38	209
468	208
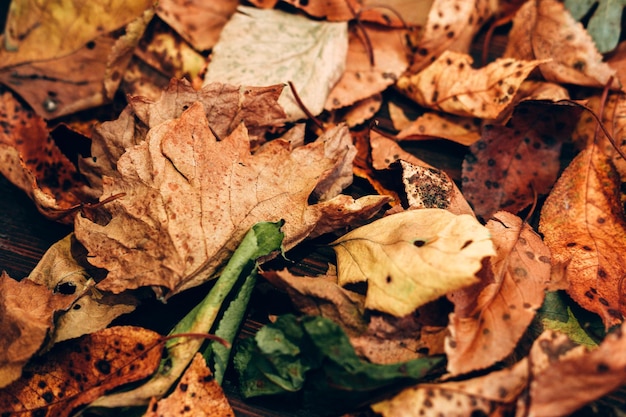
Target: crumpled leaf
511	164
62	272
412	257
177	222
490	317
196	395
605	23
566	376
583	224
360	78
79	371
31	160
494	394
64	57
451	26
544	30
26	317
198	22
450	84
265	47
256	107
285	354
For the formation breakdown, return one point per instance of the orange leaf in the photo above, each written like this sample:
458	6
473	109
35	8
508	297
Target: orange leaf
546	30
490	317
583	224
196	395
77	372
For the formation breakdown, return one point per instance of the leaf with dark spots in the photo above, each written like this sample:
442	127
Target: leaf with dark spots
76	372
512	163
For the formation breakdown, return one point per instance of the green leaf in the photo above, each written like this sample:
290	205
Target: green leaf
604	25
312	354
262	239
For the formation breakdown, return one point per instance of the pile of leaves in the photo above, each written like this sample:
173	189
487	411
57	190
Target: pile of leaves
221	137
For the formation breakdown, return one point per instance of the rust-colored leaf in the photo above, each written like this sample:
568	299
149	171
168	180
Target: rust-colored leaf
77	372
196	395
510	164
545	30
583	224
490	317
26	318
463	130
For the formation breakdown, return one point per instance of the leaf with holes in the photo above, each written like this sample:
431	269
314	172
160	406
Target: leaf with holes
546	31
510	164
412	257
583	224
76	372
451	85
490	317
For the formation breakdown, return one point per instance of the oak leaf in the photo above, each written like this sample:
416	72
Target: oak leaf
450	84
189	199
544	30
72	55
412	257
510	164
565	376
27	314
494	394
77	372
197	394
583	224
491	316
266	47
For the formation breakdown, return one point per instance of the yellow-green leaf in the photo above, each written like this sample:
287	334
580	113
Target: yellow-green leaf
411	258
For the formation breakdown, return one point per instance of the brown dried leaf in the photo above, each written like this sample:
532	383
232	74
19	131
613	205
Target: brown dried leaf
451	26
566	376
189	200
463	130
450	84
64	58
26	318
494	394
196	395
511	163
198	22
583	224
360	78
490	317
545	30
79	371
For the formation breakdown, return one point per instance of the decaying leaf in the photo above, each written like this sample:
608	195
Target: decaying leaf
363	78
451	26
412	257
583	224
77	372
198	22
490	317
494	394
545	30
61	271
26	318
450	84
197	394
511	164
53	51
265	47
463	130
567	376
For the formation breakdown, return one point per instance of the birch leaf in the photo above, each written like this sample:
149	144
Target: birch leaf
583	224
450	84
265	47
413	257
